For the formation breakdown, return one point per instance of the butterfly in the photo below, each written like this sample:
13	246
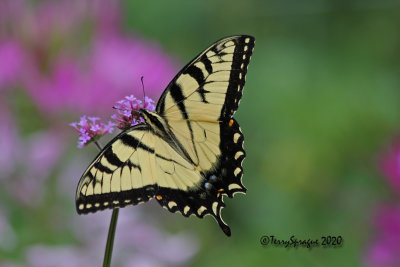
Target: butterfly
188	153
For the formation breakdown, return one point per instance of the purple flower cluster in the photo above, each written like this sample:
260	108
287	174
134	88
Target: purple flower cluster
91	129
128	111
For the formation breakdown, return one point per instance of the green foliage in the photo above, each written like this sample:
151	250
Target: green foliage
320	103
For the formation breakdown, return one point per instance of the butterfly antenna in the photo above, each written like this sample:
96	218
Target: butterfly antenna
144	94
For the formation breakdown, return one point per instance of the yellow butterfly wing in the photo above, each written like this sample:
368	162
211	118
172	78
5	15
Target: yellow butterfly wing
201	158
198	106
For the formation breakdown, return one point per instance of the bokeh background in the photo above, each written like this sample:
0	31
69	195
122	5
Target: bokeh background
320	114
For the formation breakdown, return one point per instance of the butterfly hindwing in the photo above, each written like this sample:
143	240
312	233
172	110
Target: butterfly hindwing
197	201
198	106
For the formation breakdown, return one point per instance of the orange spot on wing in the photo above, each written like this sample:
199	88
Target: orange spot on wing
159	197
230	123
219	192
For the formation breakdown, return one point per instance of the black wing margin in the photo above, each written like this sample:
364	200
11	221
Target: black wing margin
234	50
107	184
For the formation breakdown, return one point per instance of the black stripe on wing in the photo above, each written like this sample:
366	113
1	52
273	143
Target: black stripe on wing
100	201
94	203
241	58
177	94
244	45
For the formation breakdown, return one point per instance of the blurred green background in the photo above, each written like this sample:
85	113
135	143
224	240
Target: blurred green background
320	104
321	99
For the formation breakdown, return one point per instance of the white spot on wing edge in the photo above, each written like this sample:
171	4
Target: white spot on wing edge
171	204
81	206
234	186
237	171
247	40
214	207
236	137
238	154
201	210
186	209
238	192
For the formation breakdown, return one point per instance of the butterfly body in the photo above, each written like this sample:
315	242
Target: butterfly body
188	154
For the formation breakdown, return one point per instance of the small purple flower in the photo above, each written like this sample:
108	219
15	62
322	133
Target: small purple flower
128	111
91	129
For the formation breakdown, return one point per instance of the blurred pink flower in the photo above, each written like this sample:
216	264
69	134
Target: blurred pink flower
75	58
139	244
384	250
11	64
61	256
25	164
390	165
137	241
10	144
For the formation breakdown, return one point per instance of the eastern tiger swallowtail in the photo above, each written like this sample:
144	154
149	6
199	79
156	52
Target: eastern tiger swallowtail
188	154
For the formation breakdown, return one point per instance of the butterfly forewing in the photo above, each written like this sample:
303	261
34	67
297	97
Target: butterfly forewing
130	169
210	87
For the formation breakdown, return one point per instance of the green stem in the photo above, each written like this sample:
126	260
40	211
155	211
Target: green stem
110	238
111	230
